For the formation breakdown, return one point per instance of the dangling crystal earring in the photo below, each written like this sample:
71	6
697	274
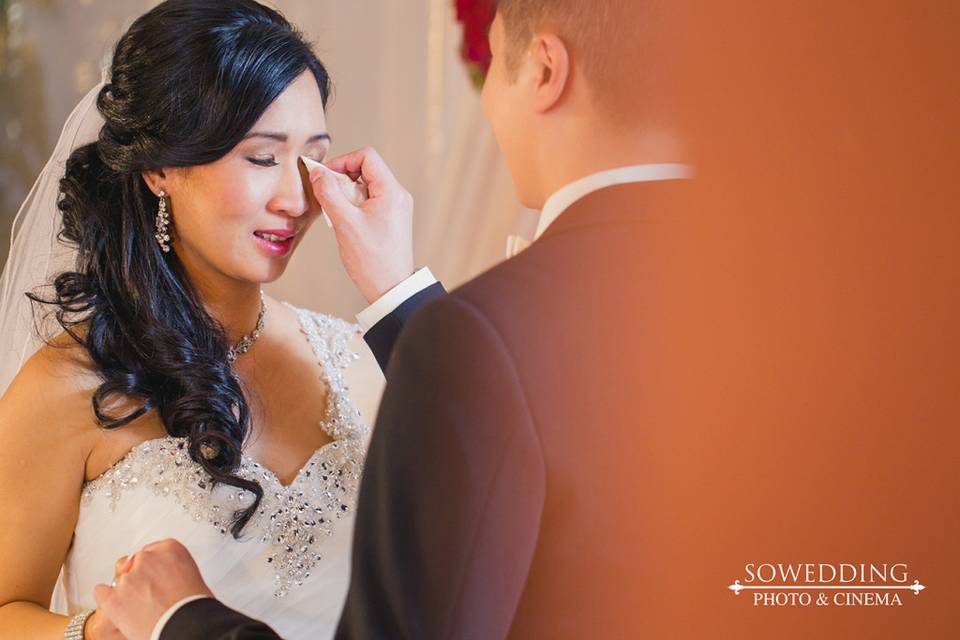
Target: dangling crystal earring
163	221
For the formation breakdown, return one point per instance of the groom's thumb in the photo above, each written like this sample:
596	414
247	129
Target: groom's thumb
329	193
103	596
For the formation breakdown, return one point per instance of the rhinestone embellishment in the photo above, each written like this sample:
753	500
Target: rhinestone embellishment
293	520
243	345
162	223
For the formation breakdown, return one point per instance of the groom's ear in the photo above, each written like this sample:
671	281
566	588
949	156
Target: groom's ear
551	65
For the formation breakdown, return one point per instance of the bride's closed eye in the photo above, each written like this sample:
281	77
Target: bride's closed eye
270	161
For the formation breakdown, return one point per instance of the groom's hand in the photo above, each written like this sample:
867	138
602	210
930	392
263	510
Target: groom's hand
100	627
150	582
375	239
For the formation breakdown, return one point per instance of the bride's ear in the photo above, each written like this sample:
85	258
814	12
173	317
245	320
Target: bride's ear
551	61
154	180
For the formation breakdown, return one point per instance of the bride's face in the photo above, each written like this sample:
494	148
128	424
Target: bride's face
230	215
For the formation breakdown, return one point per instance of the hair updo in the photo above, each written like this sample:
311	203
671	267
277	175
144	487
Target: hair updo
189	79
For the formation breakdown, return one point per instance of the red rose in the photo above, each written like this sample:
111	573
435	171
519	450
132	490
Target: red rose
476	17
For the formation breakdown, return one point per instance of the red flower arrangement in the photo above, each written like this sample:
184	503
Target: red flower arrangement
476	16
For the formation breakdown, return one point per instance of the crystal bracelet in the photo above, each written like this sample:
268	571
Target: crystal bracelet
75	627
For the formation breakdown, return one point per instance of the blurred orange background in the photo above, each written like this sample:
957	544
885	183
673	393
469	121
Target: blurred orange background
809	403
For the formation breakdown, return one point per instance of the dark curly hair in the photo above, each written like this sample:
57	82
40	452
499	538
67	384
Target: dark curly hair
189	79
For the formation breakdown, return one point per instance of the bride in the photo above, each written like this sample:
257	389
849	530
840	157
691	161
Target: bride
173	398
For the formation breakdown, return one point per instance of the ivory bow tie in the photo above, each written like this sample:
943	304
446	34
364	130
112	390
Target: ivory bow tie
516	244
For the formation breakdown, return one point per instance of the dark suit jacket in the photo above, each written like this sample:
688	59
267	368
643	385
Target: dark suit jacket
507	486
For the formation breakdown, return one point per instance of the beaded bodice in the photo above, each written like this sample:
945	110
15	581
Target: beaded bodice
289	536
293	519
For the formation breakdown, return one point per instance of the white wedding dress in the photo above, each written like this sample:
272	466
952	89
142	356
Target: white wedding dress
291	566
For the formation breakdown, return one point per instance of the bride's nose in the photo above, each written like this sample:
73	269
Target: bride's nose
291	197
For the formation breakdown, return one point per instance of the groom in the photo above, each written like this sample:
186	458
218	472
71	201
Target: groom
510	486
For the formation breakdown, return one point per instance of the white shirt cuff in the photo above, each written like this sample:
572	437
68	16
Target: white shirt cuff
420	280
165	618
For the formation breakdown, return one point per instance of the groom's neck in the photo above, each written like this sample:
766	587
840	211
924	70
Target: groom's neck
599	149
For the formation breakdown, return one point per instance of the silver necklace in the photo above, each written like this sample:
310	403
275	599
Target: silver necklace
247	341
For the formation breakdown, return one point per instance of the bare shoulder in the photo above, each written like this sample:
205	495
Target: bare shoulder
50	396
46	434
58	373
49	407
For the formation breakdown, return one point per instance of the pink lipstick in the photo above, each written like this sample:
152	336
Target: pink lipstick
275	242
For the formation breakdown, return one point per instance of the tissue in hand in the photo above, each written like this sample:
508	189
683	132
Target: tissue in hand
356	192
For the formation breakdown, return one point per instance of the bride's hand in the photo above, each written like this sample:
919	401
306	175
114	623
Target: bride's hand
99	626
375	239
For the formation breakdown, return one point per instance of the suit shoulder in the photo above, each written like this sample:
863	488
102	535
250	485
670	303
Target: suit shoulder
446	315
504	281
453	346
453	329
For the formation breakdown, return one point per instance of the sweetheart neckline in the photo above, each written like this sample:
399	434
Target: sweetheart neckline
324	423
245	459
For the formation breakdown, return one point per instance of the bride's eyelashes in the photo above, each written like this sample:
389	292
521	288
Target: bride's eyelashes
270	161
263	162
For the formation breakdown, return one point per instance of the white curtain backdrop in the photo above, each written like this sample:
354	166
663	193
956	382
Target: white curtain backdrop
399	87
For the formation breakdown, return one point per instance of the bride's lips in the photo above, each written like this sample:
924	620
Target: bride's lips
275	242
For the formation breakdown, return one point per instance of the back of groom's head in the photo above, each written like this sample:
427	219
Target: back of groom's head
575	87
615	44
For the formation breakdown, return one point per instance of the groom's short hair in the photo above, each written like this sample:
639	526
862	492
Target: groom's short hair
618	44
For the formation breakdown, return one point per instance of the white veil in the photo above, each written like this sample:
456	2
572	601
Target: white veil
36	255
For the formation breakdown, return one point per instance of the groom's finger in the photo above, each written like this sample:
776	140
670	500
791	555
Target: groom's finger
346	164
122	565
328	192
103	595
365	162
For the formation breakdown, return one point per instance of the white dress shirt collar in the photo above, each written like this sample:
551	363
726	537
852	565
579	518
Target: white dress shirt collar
567	195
